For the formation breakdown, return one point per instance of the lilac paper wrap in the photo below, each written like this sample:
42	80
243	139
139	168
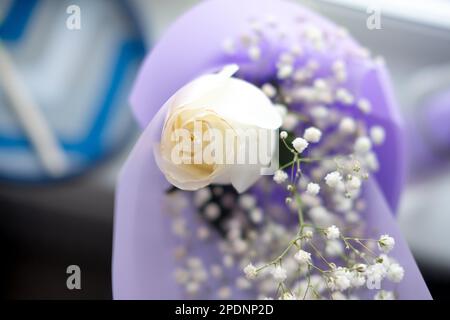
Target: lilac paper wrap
143	264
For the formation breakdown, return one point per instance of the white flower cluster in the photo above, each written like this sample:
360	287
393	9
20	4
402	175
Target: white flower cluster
386	243
251	271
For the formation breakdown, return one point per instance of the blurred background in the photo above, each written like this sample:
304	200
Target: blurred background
66	129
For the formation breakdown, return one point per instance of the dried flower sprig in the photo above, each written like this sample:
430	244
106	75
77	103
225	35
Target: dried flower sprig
360	263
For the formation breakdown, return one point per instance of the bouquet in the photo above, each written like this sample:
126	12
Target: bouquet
269	168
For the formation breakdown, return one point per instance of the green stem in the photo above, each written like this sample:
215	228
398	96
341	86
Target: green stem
286	165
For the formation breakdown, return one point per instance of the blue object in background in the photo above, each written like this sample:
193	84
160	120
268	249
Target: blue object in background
79	78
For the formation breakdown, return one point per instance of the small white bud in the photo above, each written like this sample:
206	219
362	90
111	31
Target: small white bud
279	274
280	176
378	135
300	144
363	145
364	105
254	53
285	71
354	183
319	112
269	90
312	134
312	188
347	125
332	233
333	179
395	272
229	46
386	243
302	257
250	271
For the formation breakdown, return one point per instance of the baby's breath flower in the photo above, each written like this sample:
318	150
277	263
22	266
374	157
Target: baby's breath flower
228	261
320	216
194	263
386	243
319	112
333	179
354	183
192	288
347	125
377	134
364	105
360	267
300	144
338	65
376	272
254	52
250	271
224	293
341	279
216	271
288	296
395	272
357	279
338	296
212	211
247	201
312	134
201	196
334	248
384	260
290	121
363	145
285	71
303	257
342	283
384	295
283	135
256	215
203	233
279	274
269	90
372	161
332	233
308	234
228	46
312	188
181	276
280	176
199	275
344	96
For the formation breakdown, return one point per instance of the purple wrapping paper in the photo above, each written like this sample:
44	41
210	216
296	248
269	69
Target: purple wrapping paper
143	264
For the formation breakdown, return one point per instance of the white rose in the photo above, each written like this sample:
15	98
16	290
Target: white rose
221	104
